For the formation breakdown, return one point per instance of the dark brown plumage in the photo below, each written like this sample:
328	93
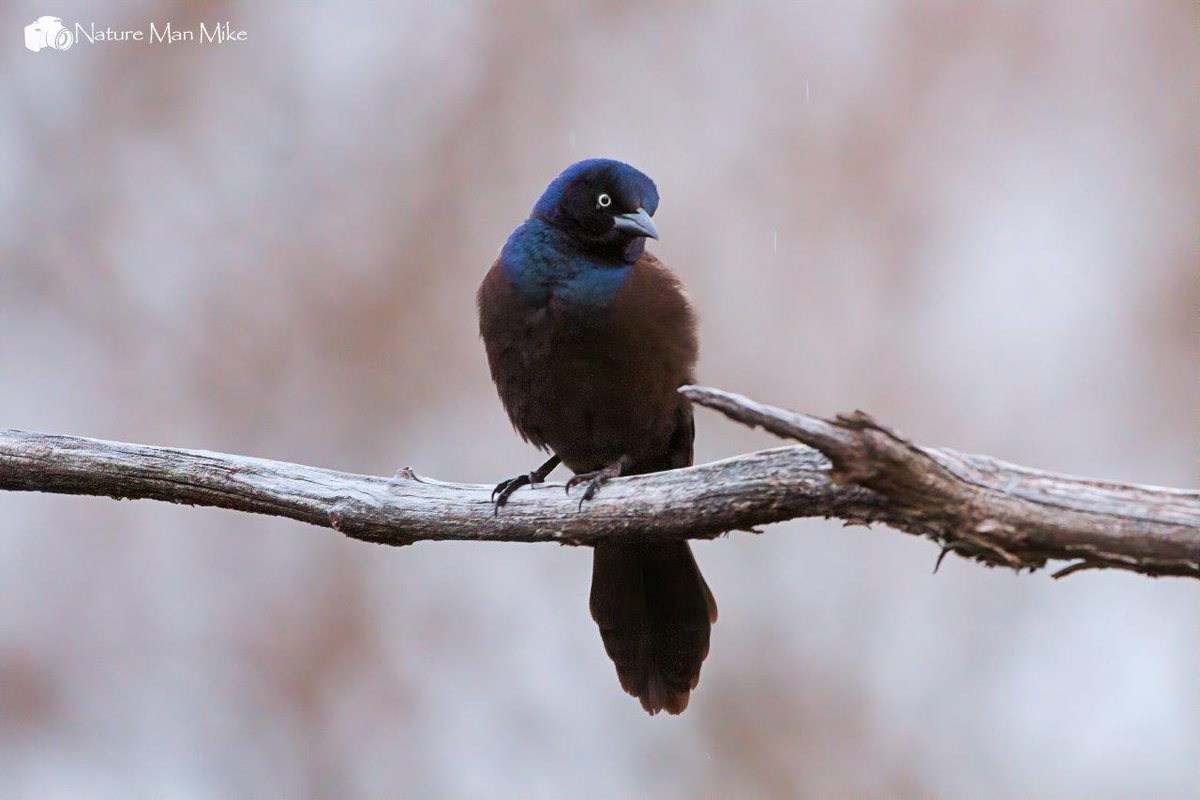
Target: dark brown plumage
587	344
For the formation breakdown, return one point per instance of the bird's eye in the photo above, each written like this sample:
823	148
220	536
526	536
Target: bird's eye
604	201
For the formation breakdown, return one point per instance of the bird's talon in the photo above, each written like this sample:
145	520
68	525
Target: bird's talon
593	486
504	490
575	480
594	480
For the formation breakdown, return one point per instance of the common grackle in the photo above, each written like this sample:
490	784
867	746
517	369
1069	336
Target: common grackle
588	336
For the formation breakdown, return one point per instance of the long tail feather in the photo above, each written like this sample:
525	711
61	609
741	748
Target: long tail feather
655	614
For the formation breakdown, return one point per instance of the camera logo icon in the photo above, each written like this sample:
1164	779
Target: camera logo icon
48	32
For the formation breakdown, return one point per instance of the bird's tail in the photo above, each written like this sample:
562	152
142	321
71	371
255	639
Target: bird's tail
655	613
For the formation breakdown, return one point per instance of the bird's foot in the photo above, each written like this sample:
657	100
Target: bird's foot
504	489
593	480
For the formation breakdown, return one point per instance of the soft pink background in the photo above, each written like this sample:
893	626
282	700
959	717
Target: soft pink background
978	222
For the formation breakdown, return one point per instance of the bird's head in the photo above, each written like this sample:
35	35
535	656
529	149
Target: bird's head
603	205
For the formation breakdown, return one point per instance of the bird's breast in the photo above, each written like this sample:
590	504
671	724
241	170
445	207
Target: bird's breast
592	381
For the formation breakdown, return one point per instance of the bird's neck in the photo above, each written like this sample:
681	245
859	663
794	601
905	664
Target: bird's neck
544	262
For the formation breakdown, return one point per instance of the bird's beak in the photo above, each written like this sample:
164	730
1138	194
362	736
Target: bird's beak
638	223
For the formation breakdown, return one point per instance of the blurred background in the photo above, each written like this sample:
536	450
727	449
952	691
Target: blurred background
976	221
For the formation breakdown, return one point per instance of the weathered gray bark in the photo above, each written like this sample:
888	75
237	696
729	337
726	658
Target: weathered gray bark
978	507
998	513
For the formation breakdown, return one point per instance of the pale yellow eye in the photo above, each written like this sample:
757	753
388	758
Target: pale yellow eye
604	201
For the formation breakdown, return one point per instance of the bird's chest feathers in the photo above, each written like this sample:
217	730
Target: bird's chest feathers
544	268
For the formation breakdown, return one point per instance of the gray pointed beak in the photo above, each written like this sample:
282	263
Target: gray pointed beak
638	223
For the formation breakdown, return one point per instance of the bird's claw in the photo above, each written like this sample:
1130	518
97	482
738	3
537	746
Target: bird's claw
594	480
503	486
593	486
504	490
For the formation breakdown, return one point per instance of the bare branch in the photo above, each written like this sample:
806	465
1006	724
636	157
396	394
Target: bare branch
975	506
698	502
998	513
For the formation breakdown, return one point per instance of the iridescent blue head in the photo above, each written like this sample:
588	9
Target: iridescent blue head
604	206
587	230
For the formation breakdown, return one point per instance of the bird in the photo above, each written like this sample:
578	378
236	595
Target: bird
588	338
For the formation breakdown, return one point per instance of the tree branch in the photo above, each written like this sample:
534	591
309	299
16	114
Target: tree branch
978	507
995	512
